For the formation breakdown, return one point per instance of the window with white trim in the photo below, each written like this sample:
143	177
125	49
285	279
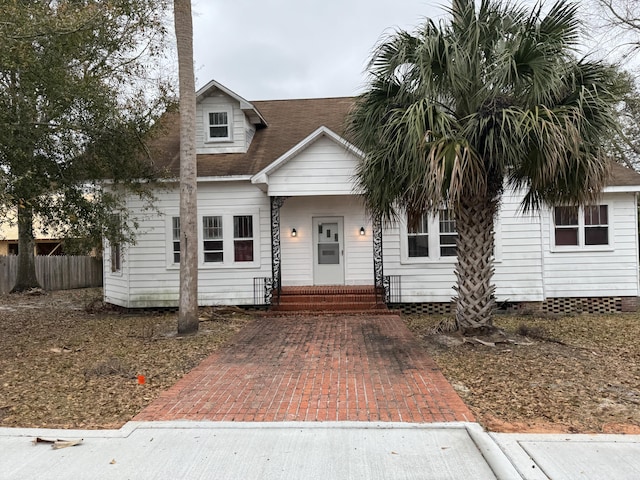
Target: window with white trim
243	238
175	235
212	239
430	237
218	125
581	226
115	250
418	236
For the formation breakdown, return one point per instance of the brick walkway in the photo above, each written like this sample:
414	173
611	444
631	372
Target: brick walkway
324	368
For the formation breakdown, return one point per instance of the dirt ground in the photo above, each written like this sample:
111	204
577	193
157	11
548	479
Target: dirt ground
66	362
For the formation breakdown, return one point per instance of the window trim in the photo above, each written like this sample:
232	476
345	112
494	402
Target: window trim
207	125
581	246
433	228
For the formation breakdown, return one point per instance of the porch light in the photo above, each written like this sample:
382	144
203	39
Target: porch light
362	232
294	233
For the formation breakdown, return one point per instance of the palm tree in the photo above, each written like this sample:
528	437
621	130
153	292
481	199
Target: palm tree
493	98
188	310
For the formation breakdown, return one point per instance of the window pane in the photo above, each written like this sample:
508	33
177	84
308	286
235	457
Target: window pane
218	125
448	251
418	246
212	227
596	236
243	226
566	216
596	215
218	118
447	222
243	250
566	236
175	229
418	225
213	257
213	245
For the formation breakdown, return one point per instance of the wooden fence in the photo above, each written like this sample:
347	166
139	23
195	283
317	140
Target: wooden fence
55	272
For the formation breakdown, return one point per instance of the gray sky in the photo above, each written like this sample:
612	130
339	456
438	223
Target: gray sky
276	49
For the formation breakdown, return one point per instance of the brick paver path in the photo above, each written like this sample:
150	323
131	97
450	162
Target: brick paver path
315	368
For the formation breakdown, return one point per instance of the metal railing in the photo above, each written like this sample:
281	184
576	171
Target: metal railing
262	291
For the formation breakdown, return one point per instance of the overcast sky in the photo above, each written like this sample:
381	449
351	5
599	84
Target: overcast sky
276	49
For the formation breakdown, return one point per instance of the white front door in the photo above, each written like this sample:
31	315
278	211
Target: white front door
328	251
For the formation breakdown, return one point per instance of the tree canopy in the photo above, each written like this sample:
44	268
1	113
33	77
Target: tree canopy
494	96
78	98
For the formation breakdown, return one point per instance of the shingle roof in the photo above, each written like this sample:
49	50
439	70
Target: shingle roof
290	122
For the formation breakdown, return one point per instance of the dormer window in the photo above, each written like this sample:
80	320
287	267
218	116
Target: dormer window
218	126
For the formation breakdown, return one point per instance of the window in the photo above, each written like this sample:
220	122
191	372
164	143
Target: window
574	226
218	128
212	234
116	257
243	238
418	236
448	234
431	237
566	221
175	228
596	225
115	248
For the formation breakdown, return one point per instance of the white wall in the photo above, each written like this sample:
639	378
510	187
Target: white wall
599	271
220	102
152	278
323	168
297	253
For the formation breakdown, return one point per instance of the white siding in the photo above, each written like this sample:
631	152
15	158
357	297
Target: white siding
518	266
239	125
297	253
601	271
154	281
323	168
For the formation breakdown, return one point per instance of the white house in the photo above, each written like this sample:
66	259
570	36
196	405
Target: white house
277	209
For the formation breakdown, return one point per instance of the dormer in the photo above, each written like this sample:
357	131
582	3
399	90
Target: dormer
225	122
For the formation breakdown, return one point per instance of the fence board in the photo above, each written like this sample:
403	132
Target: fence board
55	273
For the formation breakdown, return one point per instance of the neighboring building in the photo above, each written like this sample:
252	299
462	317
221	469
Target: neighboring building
46	243
277	207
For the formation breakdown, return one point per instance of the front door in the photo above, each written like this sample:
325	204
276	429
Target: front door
328	251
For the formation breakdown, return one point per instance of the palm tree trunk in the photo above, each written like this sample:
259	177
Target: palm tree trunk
188	311
474	301
26	278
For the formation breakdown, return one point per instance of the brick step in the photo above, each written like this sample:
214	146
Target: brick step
329	299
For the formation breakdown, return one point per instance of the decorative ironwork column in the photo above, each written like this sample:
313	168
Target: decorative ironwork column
276	252
378	271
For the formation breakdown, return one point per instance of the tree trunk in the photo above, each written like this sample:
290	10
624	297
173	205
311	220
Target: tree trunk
188	312
26	278
474	271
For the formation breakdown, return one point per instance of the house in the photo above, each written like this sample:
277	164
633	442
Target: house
277	209
47	241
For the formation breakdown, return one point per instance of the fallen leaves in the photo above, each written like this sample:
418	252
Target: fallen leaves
61	367
574	374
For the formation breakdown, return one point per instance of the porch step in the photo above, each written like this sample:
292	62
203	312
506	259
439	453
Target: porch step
330	299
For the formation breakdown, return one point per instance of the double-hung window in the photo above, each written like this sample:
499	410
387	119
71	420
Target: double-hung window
218	126
448	233
213	239
175	235
577	226
243	238
418	236
431	237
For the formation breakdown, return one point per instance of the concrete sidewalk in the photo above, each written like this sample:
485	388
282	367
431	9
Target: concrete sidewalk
315	450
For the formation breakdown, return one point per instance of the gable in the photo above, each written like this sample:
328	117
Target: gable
323	165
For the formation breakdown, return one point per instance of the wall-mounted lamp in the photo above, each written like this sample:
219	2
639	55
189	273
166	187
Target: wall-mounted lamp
294	233
362	232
